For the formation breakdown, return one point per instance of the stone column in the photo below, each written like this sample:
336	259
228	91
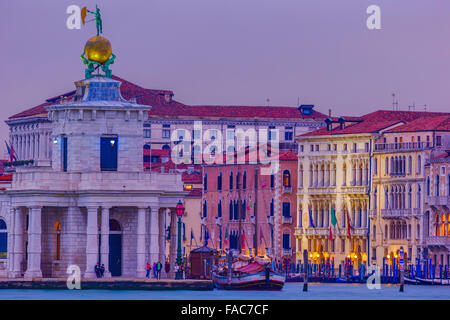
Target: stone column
140	247
11	232
91	242
154	236
34	243
162	239
104	248
18	244
41	146
173	242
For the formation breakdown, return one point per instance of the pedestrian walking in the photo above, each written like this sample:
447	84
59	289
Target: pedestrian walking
158	269
154	270
148	270
97	270
102	270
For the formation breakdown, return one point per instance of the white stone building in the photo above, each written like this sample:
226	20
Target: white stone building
87	198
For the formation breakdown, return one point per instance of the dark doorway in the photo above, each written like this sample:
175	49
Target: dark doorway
115	248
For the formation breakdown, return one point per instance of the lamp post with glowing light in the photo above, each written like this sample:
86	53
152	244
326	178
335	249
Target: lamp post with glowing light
179	211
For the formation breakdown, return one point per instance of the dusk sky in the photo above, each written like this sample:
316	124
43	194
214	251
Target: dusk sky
237	52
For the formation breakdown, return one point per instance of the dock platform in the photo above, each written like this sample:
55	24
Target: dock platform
108	284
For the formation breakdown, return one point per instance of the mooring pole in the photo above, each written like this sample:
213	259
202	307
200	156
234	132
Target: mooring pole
305	274
402	269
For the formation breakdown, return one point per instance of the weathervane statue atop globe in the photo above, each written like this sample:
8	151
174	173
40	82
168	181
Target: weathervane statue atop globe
97	51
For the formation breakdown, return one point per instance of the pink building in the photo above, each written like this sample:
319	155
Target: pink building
265	203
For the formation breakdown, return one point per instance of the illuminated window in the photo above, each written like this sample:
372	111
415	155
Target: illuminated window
57	241
286	178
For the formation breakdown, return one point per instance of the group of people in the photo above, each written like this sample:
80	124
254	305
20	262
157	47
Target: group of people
99	270
157	267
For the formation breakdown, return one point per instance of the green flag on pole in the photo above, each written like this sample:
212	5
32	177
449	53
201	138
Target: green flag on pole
333	216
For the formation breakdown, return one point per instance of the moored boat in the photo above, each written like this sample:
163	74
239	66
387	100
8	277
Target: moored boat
248	274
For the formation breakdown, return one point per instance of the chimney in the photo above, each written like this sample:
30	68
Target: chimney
329	113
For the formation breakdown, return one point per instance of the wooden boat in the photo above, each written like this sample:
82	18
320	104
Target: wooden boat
250	281
245	274
444	282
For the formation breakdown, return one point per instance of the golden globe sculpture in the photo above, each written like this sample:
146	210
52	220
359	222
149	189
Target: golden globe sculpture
98	49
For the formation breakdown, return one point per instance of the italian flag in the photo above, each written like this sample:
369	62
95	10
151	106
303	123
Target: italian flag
333	221
226	236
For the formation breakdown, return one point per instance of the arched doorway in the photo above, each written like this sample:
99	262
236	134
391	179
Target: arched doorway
115	248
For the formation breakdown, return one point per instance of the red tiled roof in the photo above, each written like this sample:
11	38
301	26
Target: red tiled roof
196	192
191	178
161	108
375	122
288	156
157	152
433	123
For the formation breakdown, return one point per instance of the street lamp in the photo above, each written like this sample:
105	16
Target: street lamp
179	211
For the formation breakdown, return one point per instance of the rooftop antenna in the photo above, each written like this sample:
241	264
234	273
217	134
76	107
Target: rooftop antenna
268	102
413	107
298	101
394	102
425	107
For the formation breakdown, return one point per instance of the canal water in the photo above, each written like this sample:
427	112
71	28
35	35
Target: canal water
291	291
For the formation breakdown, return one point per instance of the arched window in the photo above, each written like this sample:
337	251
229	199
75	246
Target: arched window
219	209
244	180
166	147
231	210
436	226
428	186
231	180
436	192
147	147
375	166
272	208
272	181
386	166
409	165
57	241
205	182
219	182
205	209
3	240
419	164
419	195
286	178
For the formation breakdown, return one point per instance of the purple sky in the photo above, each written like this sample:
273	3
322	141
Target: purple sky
237	52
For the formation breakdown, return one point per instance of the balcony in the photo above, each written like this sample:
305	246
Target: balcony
401	146
286	189
438	201
354	189
373	213
434	241
287	252
298	231
359	231
317	231
219	221
252	220
286	220
270	220
203	221
320	190
268	251
395	213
